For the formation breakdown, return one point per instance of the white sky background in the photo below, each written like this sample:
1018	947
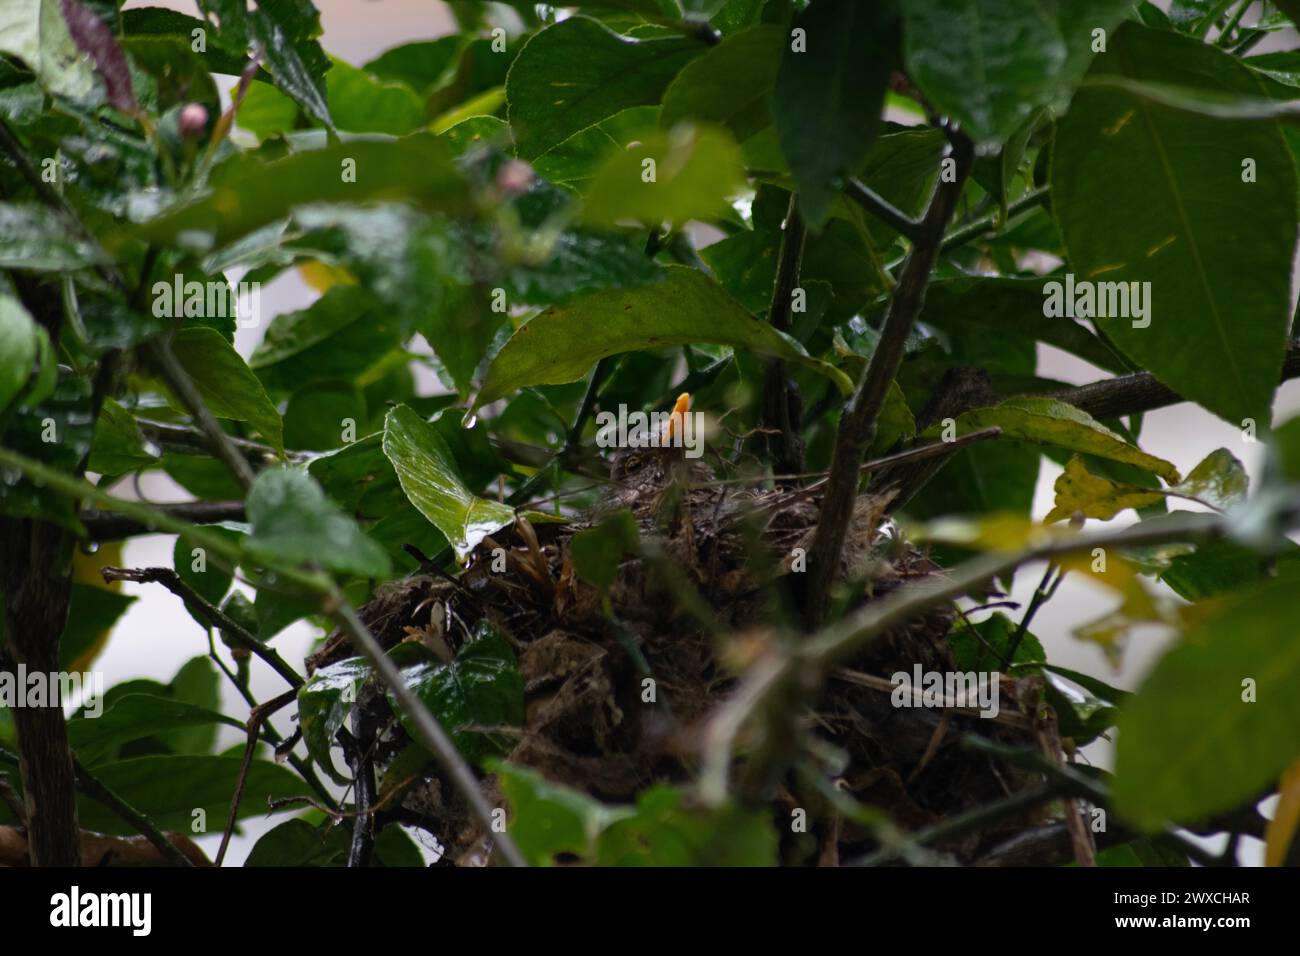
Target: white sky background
156	636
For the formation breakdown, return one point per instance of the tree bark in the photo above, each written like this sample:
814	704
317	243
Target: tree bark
36	583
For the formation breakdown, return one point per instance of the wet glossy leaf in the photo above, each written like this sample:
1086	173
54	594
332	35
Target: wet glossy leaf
324	703
36	32
479	692
37	238
427	472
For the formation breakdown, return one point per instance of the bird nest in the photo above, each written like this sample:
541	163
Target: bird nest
707	593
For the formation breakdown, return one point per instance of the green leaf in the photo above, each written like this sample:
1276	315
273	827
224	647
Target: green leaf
324	703
38	239
266	112
364	104
119	446
576	73
17	348
295	61
982	645
1219	480
745	263
419	65
1049	422
1189	744
829	95
337	337
169	789
320	414
427	471
416	169
992	63
196	683
134	717
1085	708
474	695
668	831
227	385
730	85
549	821
161	23
1178	216
561	343
1221	567
298	843
970	307
294	523
572	162
213	581
597	552
696	169
35	32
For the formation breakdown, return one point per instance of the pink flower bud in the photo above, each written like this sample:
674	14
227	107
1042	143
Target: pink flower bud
194	120
515	177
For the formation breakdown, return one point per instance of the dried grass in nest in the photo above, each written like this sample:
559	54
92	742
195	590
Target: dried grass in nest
586	725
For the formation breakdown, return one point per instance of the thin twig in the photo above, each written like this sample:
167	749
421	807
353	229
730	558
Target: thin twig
179	381
857	425
256	717
90	785
983	225
971	821
785	447
229	628
111	526
805	664
882	209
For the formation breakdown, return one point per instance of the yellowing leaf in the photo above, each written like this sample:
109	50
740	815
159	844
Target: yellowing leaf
1281	829
1047	421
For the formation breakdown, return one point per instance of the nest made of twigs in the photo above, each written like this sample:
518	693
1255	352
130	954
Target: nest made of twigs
587	725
